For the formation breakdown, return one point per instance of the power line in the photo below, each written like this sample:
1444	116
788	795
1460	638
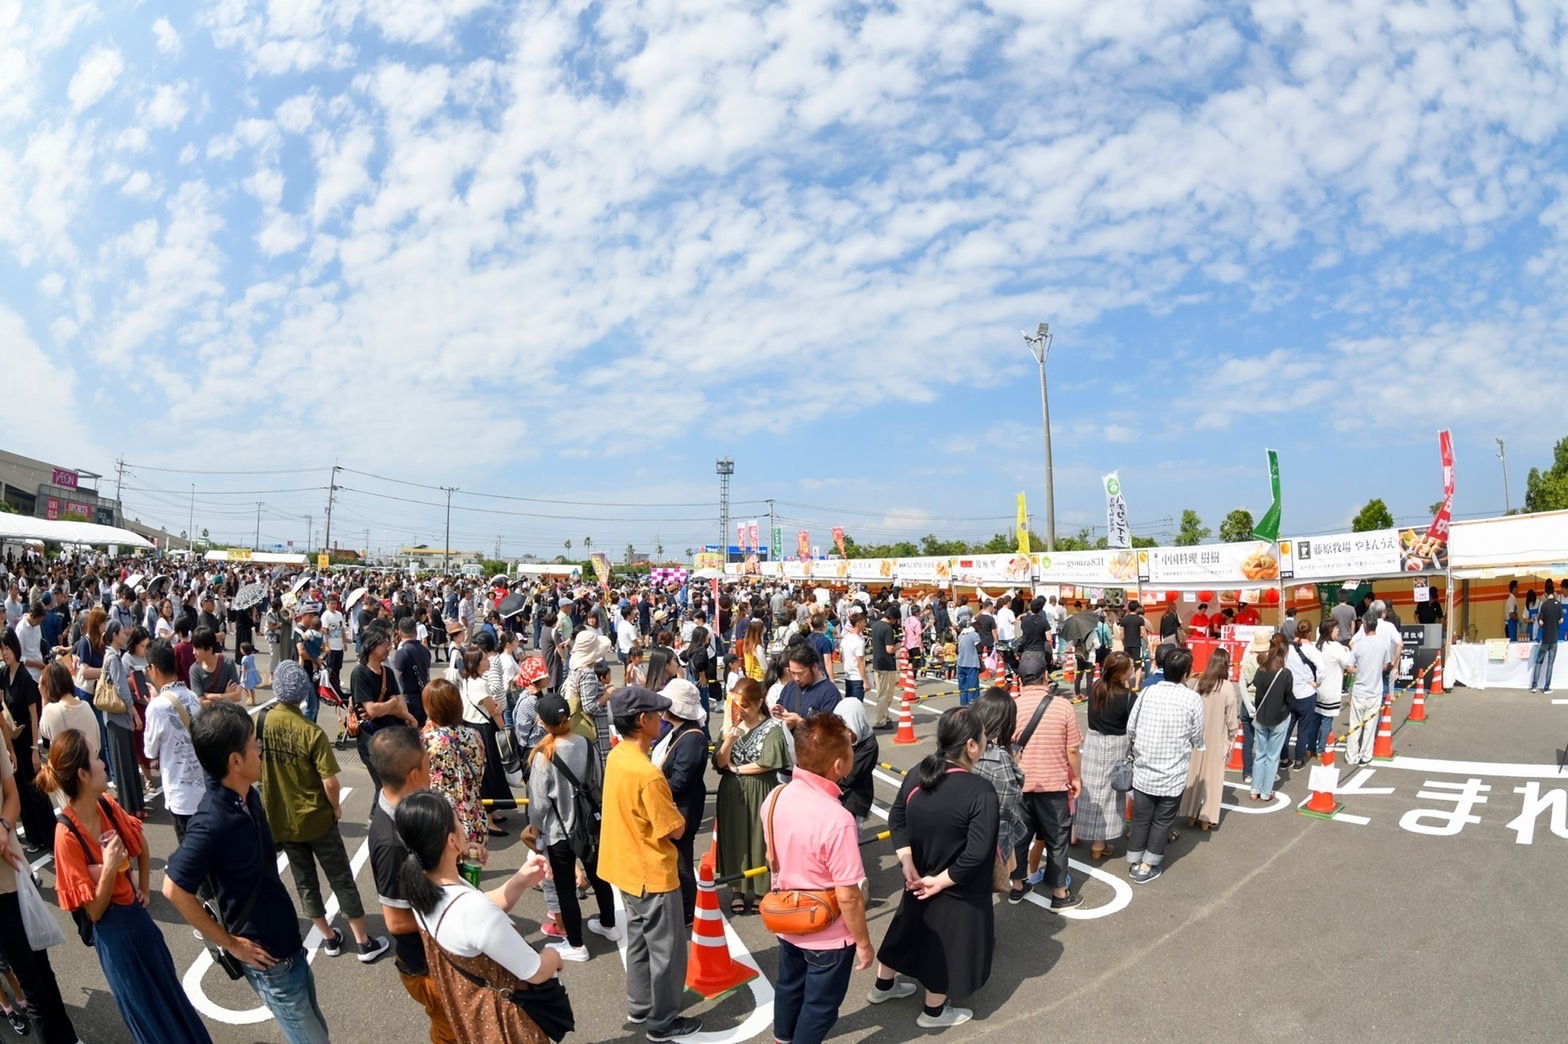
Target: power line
514	514
206	471
538	500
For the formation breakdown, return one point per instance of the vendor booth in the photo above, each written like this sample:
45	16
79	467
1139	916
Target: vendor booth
1484	555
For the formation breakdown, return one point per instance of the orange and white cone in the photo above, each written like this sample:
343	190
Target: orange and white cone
1096	679
1070	672
1237	753
1322	804
1437	675
1383	748
906	724
710	970
1418	703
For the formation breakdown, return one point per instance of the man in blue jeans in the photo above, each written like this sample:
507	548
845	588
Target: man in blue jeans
968	665
813	845
1551	617
229	840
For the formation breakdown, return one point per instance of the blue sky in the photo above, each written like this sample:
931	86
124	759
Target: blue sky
574	252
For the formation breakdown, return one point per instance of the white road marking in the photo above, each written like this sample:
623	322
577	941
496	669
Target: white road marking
1354	786
1559	703
1474	768
1281	800
313	940
1341	817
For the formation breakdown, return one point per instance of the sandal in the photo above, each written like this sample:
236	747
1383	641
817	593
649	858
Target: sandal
496	832
1108	852
1175	835
737	906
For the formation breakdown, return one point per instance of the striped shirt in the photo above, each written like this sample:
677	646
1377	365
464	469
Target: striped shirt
1044	760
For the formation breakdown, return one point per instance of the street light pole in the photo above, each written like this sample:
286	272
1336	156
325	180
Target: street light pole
1502	455
1040	348
447	543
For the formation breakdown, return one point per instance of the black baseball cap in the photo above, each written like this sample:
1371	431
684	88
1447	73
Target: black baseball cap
552	709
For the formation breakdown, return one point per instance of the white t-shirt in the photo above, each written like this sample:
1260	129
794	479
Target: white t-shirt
163	628
477	926
332	627
166	741
1006	624
625	635
1369	654
60	716
31	636
853	647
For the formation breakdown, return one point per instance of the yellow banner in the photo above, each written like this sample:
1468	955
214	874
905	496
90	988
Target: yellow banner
239	554
1023	526
323	562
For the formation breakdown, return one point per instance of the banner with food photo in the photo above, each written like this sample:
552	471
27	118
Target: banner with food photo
1340	556
1244	564
873	569
925	572
1087	568
1015	569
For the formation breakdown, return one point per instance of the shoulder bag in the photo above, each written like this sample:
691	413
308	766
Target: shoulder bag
1034	720
546	1003
106	696
80	916
584	840
793	912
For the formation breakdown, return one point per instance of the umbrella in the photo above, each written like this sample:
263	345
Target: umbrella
132	580
249	596
354	597
511	605
301	582
1079	625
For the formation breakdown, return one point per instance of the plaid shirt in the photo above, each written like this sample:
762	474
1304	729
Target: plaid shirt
1165	728
997	766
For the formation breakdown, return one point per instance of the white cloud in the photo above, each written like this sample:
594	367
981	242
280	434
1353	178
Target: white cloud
168	39
95	77
166	108
139	183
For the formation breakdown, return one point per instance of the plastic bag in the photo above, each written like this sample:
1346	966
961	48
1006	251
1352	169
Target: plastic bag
43	931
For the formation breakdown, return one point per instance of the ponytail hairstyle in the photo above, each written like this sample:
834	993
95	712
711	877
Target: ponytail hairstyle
954	730
1326	631
55	683
69	756
425	819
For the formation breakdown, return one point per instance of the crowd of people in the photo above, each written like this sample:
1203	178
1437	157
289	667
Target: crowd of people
118	685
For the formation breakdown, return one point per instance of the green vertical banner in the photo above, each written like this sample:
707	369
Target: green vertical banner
776	544
1268	526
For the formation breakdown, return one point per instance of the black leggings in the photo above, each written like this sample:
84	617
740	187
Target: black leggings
563	867
34	973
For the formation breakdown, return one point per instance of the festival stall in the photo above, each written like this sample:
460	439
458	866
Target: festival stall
63	531
1483	556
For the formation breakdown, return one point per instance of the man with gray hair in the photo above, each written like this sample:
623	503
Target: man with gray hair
1370	654
1388	630
300	793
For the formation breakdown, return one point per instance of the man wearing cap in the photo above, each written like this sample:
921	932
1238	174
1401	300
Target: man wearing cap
333	626
637	855
309	648
1053	771
300	792
208	617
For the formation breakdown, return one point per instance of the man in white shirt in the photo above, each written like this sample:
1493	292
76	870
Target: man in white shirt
332	628
1387	631
30	632
14	606
625	633
166	736
852	647
1369	657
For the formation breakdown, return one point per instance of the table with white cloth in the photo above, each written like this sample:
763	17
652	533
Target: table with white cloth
1472	665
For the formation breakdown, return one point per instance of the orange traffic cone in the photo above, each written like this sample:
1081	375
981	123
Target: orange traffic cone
1127	814
1096	679
710	970
906	723
1237	750
1322	804
1070	672
1383	747
1418	704
1437	675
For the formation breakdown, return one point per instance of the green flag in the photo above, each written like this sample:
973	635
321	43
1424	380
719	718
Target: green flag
1268	526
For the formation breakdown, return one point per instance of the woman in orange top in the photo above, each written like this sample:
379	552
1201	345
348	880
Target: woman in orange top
93	845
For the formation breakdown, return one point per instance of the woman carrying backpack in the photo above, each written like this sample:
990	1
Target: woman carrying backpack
564	786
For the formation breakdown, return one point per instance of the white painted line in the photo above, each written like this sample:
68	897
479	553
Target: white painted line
313	940
1354	786
1281	801
1559	703
1341	817
1474	768
887	778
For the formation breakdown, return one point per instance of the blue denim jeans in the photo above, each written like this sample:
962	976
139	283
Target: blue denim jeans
1246	743
855	689
812	984
1325	726
1545	661
1304	716
968	685
289	992
1265	765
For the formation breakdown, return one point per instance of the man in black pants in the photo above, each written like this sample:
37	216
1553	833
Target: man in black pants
1165	728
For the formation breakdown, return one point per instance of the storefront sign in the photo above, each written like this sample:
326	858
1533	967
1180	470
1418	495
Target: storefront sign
1014	569
1087	568
63	478
1248	563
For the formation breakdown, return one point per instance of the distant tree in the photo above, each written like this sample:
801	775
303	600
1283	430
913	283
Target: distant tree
630	551
688	552
568	547
658	551
7	509
1437	505
1192	530
587	543
1236	527
1548	490
1375	515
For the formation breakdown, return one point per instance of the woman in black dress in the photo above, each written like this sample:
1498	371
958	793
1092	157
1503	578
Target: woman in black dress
944	826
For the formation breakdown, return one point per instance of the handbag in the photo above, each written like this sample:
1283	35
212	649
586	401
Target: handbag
1002	871
43	931
1121	774
796	911
511	761
546	1003
106	695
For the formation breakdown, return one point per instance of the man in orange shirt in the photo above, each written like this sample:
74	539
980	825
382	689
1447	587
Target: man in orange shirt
637	838
1199	621
1053	773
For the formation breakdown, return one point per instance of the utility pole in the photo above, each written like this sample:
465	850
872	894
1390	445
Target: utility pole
1502	455
332	488
498	547
190	534
119	477
258	526
725	468
1040	348
310	531
772	525
446	545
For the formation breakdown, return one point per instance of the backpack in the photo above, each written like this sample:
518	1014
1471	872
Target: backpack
587	803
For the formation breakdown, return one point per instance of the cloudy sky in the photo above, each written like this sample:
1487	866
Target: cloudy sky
573	252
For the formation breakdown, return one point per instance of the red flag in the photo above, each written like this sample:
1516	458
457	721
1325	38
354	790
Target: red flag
838	540
1439	527
803	544
754	535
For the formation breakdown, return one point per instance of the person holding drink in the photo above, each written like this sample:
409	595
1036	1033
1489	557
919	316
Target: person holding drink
94	843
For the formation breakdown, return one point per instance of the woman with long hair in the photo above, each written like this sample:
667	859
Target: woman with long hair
999	715
478	961
1271	717
64	709
24	702
1334	661
1098	817
94	844
121	728
1200	802
944	824
457	759
748	758
753	651
483	714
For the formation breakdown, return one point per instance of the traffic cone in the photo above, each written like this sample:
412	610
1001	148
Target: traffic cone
1127	813
1322	804
1070	672
1237	752
1383	748
1096	679
1418	704
906	724
710	970
1437	675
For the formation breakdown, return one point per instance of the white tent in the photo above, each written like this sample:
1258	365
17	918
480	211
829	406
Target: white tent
1511	545
65	532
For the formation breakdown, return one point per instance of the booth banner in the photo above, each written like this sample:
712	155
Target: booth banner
707	560
1118	533
1340	556
1438	532
873	569
770	568
1087	568
734	568
930	572
1219	565
833	569
797	569
1015	569
1422	553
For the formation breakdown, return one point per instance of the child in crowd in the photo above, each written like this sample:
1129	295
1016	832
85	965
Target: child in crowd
634	675
732	673
250	677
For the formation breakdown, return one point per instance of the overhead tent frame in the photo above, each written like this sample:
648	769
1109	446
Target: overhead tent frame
1513	545
66	531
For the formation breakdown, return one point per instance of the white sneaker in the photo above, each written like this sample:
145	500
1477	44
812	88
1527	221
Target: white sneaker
568	952
950	1016
596	927
898	992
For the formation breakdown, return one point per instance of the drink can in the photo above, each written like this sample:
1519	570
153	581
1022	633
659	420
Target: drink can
470	870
